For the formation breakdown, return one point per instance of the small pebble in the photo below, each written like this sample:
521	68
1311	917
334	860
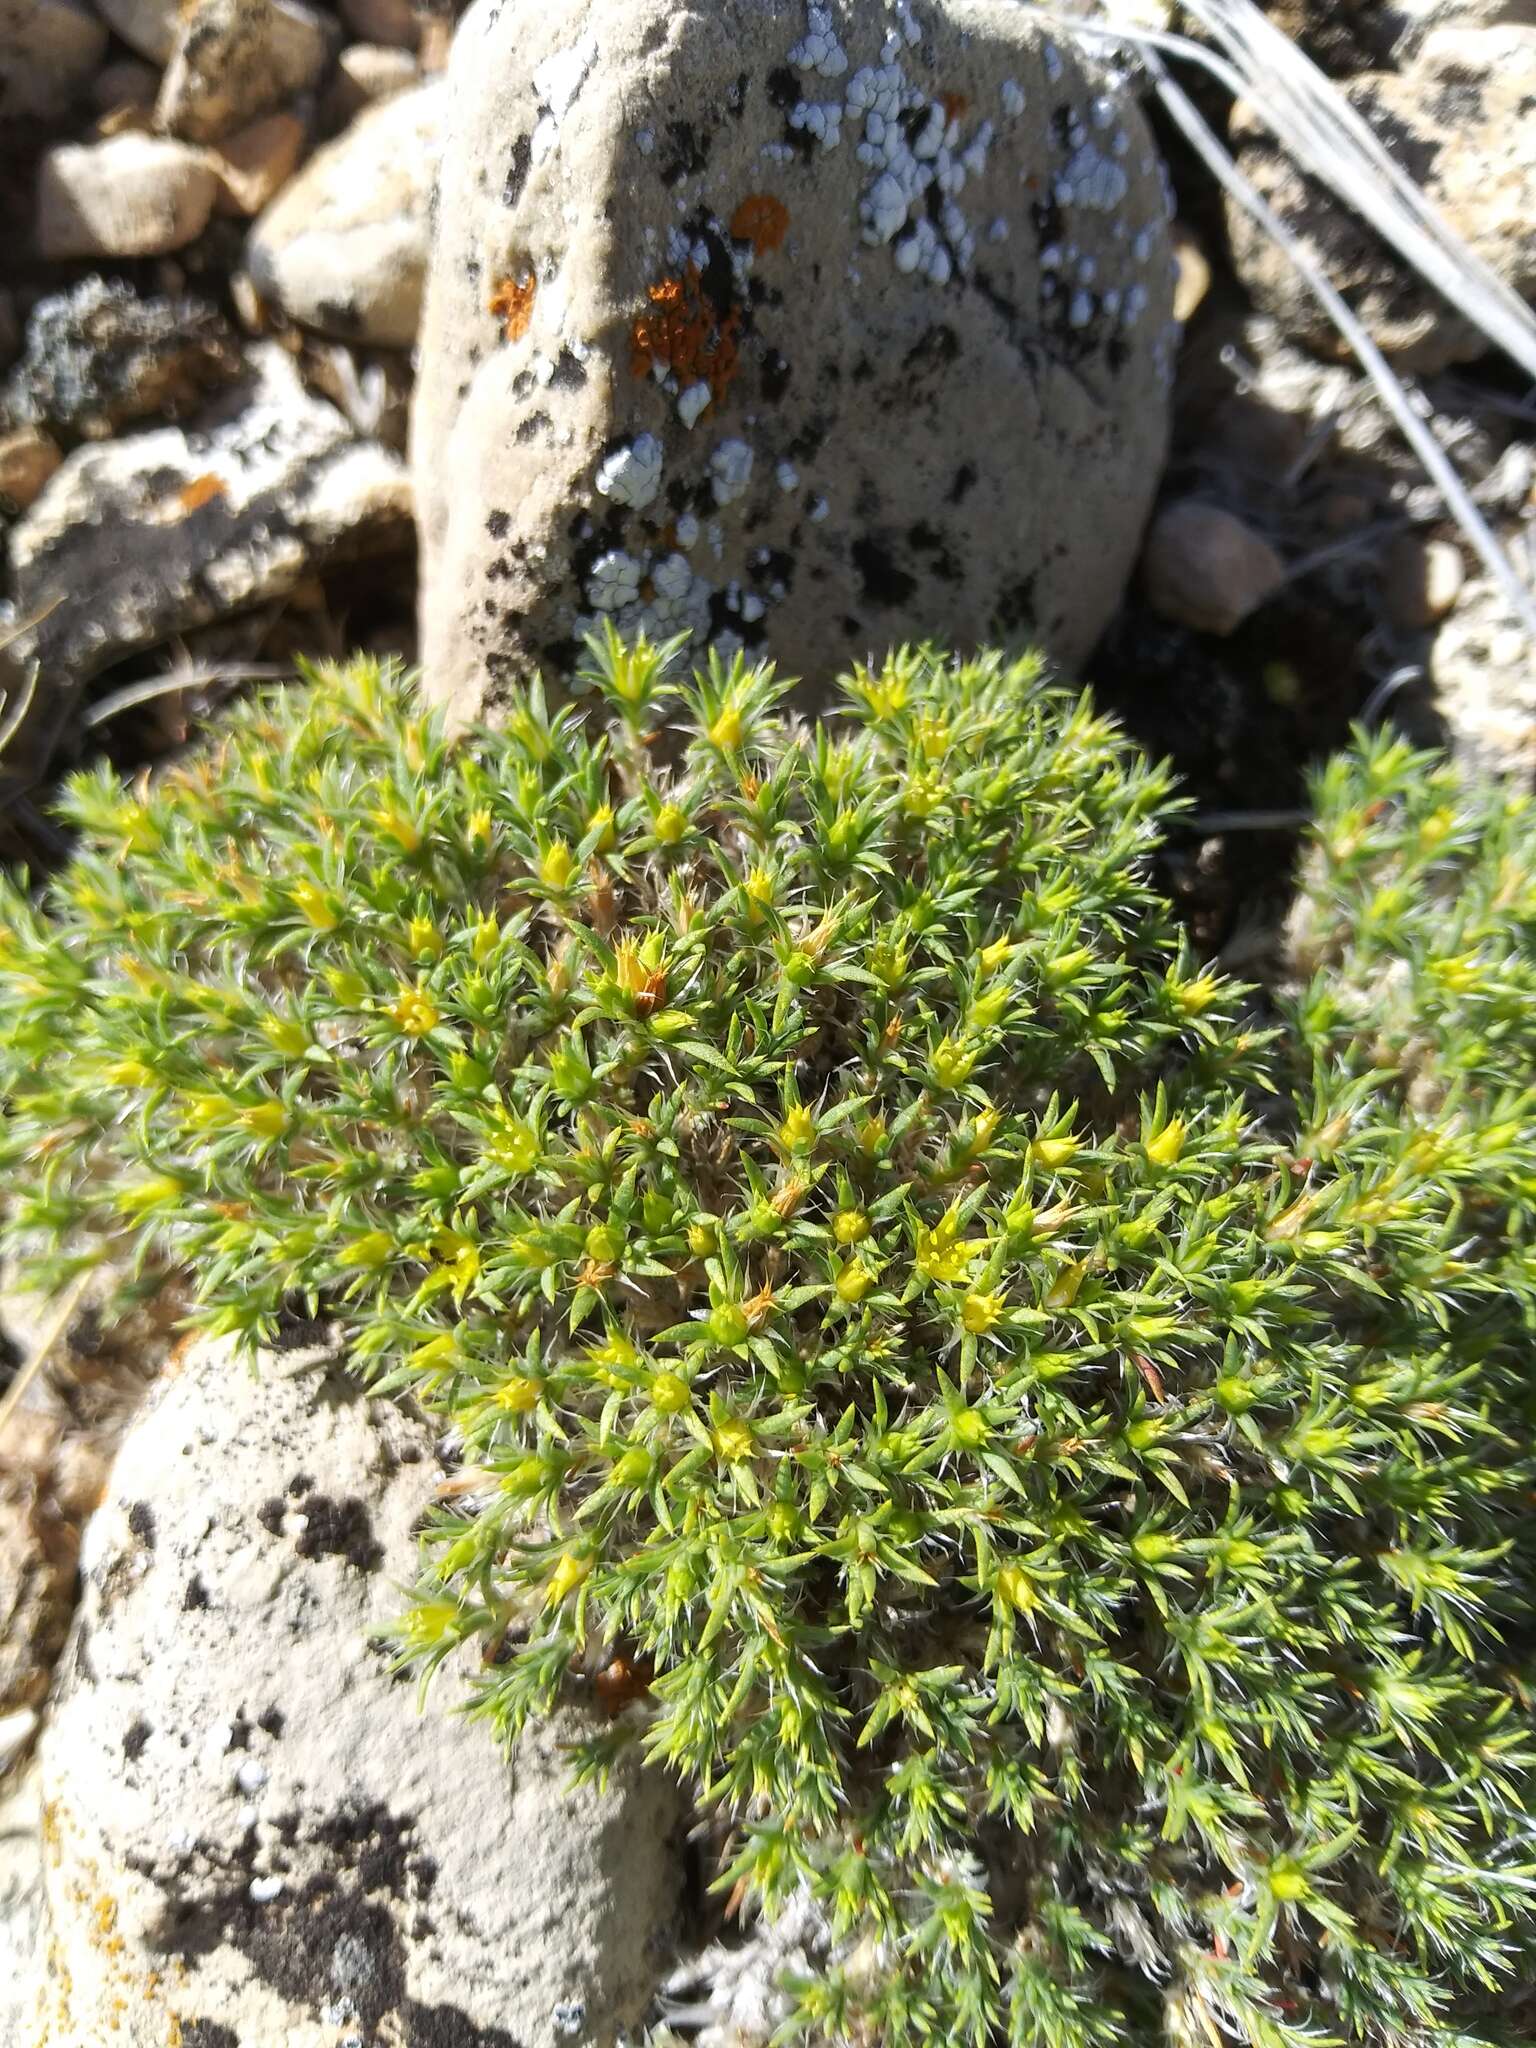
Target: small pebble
264	1889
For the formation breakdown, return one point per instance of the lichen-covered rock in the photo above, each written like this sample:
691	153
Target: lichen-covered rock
101	355
343	248
48	51
21	1903
255	1837
810	327
1461	120
127	195
137	539
235	59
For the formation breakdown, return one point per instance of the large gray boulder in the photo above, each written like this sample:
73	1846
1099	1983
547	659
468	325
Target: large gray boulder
809	328
254	1836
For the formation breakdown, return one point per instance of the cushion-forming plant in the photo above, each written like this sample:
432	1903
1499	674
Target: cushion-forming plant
926	1368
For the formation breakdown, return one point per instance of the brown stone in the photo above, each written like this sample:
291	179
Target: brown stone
28	457
1421	581
1205	568
255	164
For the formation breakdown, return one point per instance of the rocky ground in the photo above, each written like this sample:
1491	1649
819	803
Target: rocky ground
206	364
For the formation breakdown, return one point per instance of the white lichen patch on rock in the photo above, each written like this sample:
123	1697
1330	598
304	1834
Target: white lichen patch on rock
847	344
632	474
252	1833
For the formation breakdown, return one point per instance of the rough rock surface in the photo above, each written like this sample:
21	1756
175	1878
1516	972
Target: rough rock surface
1461	120
127	195
235	59
254	1836
344	247
21	1903
136	539
100	356
1484	677
48	51
809	327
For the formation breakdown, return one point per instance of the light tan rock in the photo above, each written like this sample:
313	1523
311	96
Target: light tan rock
1205	568
1421	581
691	359
128	195
366	72
280	1842
234	60
343	249
1194	275
255	164
1461	120
28	457
49	50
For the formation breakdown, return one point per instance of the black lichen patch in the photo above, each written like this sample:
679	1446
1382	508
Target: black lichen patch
687	152
774	376
444	2026
924	539
1015	613
135	1737
270	1722
208	2034
529	429
967	476
141	1520
569	373
519	163
736	96
340	1528
194	1596
935	349
496	524
883	583
270	1514
783	88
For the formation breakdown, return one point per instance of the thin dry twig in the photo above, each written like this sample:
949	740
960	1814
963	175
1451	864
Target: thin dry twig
57	1324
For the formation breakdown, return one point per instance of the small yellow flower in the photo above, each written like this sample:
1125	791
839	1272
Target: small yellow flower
1052	1153
727	729
601	822
423	940
797	1133
415	1013
1195	997
759	885
1013	1587
557	864
850	1226
567	1575
670	1393
515	1144
400	826
954	1059
266	1119
671	825
478	826
701	1239
484	940
733	1441
1167	1147
854	1282
316	906
998	954
980	1312
519	1395
373	1249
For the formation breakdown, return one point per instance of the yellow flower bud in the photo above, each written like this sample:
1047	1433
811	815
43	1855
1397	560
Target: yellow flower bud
850	1226
854	1282
1165	1149
567	1575
415	1013
557	864
671	825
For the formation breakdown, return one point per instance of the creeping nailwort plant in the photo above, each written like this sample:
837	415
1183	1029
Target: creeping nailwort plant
1051	1461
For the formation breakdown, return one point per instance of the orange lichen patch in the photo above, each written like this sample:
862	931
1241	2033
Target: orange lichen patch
686	335
954	104
202	490
761	220
512	303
